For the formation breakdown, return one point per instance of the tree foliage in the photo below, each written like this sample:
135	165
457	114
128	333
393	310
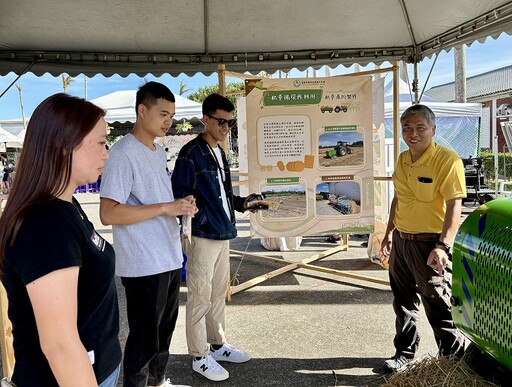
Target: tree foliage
233	90
205	91
66	81
183	88
504	164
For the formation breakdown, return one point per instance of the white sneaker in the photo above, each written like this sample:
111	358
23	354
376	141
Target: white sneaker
167	383
229	353
210	369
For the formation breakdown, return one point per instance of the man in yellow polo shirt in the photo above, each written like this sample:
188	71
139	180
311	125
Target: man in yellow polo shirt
424	219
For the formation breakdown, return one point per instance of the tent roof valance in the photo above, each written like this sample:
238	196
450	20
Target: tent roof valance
162	36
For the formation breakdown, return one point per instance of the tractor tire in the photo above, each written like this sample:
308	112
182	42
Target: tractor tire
485	198
337	109
486	366
342	152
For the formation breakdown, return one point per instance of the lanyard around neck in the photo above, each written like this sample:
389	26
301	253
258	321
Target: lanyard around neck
222	171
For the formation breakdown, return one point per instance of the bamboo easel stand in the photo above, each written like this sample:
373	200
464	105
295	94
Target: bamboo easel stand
303	264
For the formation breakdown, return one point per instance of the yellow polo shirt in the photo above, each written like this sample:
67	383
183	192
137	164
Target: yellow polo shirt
423	187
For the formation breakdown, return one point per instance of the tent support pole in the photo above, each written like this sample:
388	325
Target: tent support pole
18	77
396	110
428	76
415	84
221	71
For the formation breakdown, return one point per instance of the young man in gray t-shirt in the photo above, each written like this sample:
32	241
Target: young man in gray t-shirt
137	199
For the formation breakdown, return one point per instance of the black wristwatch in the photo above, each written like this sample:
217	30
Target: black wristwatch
445	246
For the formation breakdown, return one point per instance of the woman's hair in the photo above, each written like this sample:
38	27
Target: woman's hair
43	172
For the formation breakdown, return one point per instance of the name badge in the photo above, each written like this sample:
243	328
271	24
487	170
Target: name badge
91	356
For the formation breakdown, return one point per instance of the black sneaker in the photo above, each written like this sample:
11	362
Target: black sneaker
397	363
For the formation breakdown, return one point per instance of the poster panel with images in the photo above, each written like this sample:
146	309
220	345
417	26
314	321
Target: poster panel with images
310	154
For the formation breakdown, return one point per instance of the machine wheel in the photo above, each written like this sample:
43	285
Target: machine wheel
342	152
486	366
485	198
337	109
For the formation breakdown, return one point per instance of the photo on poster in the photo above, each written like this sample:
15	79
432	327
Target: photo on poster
285	201
340	149
338	198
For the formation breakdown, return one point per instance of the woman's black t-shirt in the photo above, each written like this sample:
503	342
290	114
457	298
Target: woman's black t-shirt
53	236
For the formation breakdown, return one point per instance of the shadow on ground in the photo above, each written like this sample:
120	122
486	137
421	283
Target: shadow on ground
281	372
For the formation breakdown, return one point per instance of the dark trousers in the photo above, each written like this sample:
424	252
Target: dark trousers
411	279
152	309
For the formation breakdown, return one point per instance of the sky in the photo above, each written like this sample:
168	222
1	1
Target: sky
331	139
480	58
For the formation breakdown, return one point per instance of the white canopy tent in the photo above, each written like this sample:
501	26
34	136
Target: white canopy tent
120	107
457	123
174	37
170	36
9	140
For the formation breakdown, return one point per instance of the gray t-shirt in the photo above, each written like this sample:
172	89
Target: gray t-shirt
136	175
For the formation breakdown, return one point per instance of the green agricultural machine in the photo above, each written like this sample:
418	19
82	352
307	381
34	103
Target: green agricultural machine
341	149
482	285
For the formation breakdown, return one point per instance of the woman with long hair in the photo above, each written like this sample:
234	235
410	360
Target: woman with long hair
58	272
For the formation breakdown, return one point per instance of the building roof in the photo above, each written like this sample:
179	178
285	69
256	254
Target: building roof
493	83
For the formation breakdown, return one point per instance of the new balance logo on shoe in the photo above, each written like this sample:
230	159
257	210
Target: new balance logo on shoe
209	368
226	353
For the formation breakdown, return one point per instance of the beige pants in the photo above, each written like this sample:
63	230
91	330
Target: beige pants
207	283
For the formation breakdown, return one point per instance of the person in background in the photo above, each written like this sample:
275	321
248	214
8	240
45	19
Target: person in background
424	218
12	172
202	170
8	169
57	270
137	199
5	176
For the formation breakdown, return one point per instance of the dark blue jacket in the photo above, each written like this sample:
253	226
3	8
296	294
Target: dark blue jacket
195	173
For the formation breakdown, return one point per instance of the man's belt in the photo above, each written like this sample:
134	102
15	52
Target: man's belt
425	236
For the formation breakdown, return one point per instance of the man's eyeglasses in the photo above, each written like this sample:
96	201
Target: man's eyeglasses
223	121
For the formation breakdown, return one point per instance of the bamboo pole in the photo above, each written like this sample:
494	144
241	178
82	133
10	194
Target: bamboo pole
6	339
396	111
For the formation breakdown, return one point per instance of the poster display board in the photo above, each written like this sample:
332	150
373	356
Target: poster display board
310	154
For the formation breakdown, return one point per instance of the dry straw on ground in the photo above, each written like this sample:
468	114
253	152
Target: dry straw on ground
437	372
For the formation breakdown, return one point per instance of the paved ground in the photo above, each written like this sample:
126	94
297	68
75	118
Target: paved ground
302	328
